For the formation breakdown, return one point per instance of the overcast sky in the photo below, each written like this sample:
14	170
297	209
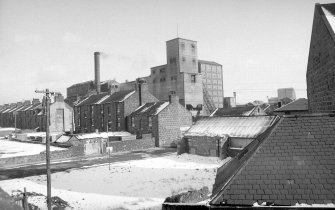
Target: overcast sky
262	44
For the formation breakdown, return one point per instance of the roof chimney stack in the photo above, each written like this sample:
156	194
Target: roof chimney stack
97	71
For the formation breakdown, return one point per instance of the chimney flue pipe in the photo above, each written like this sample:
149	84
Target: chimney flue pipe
97	71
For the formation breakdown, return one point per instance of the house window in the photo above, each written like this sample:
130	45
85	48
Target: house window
183	59
85	114
132	122
193	78
162	70
118	108
162	79
193	60
150	121
109	124
109	111
153	71
118	122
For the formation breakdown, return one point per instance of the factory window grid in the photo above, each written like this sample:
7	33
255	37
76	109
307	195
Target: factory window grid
193	78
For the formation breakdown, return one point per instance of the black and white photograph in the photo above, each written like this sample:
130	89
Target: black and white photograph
167	104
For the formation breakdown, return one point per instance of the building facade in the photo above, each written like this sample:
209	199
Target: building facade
286	93
321	61
161	119
197	83
109	110
212	80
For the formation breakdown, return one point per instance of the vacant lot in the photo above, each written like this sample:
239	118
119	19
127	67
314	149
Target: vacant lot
130	185
14	149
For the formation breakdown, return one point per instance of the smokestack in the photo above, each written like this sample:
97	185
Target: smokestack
97	71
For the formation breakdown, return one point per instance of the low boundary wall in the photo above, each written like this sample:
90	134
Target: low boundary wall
54	155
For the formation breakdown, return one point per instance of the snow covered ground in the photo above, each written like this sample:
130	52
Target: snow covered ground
14	149
133	184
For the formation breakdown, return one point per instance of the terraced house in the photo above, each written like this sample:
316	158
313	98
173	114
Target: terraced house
109	110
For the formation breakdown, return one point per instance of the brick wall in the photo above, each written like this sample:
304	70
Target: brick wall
170	120
321	66
203	145
129	145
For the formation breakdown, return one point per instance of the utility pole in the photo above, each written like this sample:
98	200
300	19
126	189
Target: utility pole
47	112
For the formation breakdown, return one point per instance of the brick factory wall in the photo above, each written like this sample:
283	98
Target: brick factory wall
321	67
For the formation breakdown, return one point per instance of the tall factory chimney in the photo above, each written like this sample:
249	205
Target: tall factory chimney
97	71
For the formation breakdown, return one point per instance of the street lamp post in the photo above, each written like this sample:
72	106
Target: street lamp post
47	143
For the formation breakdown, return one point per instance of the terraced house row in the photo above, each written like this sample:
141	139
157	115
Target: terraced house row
31	115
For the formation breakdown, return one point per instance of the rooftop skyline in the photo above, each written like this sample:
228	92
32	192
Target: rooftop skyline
261	45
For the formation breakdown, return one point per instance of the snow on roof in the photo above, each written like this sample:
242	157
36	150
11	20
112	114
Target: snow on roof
330	17
126	96
101	135
102	99
152	108
242	127
160	108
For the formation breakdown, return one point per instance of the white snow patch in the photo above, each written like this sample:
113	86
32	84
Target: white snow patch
314	205
15	149
133	184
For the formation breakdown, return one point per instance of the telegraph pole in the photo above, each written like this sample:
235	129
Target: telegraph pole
47	112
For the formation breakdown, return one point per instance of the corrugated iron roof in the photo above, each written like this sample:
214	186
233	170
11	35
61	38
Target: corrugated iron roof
243	127
209	62
300	104
235	111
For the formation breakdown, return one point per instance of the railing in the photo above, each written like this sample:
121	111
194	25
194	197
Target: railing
208	100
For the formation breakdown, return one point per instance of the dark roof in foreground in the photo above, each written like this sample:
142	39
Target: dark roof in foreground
295	164
300	104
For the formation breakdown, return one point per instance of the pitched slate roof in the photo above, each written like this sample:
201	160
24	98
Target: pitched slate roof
235	111
243	127
106	98
300	104
295	164
92	99
119	96
150	108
